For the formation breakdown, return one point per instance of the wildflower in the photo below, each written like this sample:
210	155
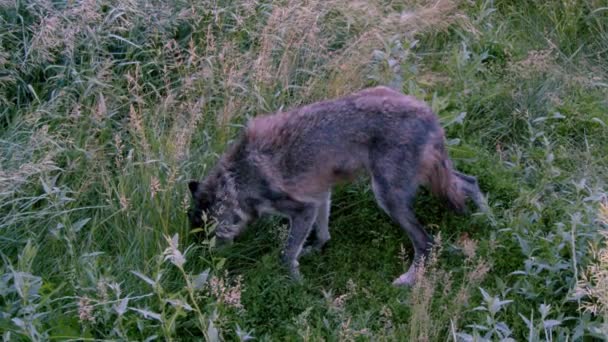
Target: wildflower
102	289
173	253
229	295
468	246
340	301
124	202
85	310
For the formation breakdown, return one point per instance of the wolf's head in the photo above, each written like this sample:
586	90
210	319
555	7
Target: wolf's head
217	198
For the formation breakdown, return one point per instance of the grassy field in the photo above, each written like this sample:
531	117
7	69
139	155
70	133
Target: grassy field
109	107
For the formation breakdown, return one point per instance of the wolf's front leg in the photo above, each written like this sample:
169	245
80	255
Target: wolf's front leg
320	227
302	219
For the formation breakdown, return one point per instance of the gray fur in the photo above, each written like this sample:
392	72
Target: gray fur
287	163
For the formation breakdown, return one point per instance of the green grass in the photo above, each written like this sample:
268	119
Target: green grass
108	108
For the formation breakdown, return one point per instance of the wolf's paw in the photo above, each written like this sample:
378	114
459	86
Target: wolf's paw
293	267
314	245
406	279
295	275
310	249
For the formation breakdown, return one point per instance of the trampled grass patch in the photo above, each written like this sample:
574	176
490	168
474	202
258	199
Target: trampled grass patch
108	108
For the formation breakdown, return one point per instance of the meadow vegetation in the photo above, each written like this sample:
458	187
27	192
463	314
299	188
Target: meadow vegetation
109	107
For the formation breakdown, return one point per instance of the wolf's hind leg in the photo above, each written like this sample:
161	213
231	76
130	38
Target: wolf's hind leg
398	203
395	189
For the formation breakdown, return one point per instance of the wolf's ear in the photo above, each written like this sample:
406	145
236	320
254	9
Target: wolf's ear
193	186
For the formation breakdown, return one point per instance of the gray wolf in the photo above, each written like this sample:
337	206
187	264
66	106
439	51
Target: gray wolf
287	163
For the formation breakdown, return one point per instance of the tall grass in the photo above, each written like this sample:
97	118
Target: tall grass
107	108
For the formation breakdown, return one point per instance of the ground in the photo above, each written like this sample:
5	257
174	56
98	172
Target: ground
108	108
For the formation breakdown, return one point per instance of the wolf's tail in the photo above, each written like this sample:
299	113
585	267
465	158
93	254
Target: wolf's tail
446	182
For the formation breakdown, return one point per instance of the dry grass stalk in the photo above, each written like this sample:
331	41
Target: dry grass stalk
57	32
593	283
186	124
537	61
36	158
348	65
435	285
